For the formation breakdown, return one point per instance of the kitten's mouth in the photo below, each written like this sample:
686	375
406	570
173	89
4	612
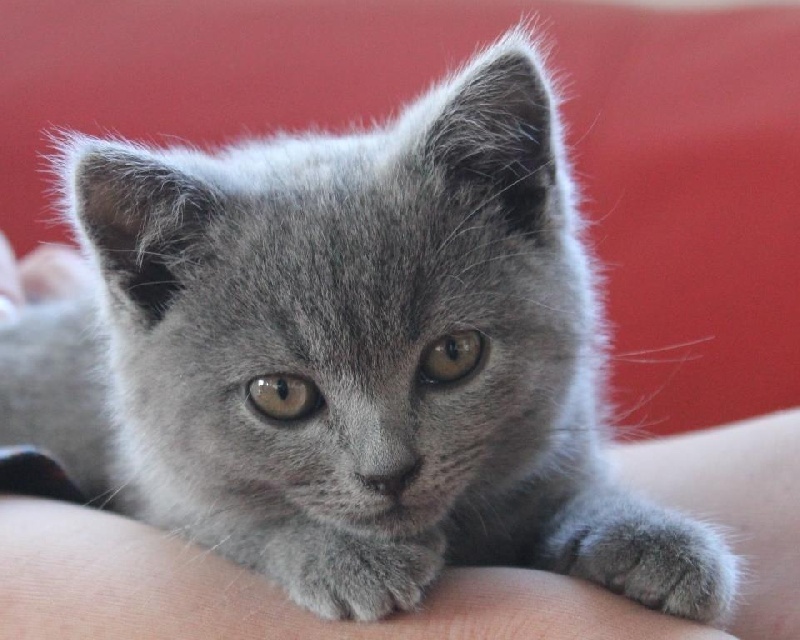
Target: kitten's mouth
399	518
397	511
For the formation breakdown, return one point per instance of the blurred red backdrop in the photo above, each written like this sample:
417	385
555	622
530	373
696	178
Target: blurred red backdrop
685	129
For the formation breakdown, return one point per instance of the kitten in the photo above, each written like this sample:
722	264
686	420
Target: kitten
344	361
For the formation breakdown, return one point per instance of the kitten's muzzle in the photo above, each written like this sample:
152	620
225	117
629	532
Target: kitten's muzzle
392	484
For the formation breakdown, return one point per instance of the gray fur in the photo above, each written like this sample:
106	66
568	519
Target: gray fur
340	259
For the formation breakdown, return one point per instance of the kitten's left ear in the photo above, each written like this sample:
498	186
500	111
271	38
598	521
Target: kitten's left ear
493	128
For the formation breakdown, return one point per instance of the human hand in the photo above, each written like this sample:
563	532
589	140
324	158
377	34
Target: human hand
65	576
49	272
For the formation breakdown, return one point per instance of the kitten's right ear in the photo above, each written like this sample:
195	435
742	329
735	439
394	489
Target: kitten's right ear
138	215
493	128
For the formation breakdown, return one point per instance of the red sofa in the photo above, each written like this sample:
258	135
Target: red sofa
685	129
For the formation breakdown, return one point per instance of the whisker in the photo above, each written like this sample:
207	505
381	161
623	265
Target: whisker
491	294
153	284
671	347
505	256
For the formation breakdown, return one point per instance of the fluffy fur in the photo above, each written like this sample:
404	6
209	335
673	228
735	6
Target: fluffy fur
340	259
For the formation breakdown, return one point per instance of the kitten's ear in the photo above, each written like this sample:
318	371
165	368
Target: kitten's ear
138	215
492	127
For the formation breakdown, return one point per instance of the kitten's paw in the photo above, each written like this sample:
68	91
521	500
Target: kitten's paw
661	560
366	579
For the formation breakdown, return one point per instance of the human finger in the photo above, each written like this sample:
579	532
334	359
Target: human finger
11	296
54	272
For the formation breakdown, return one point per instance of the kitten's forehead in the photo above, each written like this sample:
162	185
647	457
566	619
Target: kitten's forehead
355	268
292	163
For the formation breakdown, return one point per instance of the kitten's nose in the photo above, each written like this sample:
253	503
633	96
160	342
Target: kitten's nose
392	484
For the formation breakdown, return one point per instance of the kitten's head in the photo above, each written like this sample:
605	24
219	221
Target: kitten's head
364	328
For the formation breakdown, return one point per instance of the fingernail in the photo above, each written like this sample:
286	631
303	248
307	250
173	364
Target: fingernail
9	313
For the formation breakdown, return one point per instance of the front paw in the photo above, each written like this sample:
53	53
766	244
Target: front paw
662	560
363	579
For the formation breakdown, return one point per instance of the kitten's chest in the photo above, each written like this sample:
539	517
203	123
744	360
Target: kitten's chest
485	536
504	529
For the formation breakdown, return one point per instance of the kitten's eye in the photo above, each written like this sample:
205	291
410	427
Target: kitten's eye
283	397
452	356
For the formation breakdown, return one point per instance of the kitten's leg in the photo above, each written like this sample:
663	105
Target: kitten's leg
52	389
652	555
339	575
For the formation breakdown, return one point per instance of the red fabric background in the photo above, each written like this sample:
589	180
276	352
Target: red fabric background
685	128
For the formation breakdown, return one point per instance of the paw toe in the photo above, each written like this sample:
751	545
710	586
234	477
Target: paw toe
680	568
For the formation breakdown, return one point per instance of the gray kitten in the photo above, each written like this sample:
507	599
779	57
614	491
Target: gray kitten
344	361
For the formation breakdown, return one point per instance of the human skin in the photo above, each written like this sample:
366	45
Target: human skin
11	295
51	271
72	572
744	476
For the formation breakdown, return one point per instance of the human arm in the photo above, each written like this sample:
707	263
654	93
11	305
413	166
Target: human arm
71	572
745	476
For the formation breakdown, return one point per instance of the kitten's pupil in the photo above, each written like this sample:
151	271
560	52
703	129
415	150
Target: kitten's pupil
451	349
451	357
282	388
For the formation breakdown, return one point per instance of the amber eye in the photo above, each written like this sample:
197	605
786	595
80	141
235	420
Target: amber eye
452	356
284	397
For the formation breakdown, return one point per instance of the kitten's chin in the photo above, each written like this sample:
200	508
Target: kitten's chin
398	520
